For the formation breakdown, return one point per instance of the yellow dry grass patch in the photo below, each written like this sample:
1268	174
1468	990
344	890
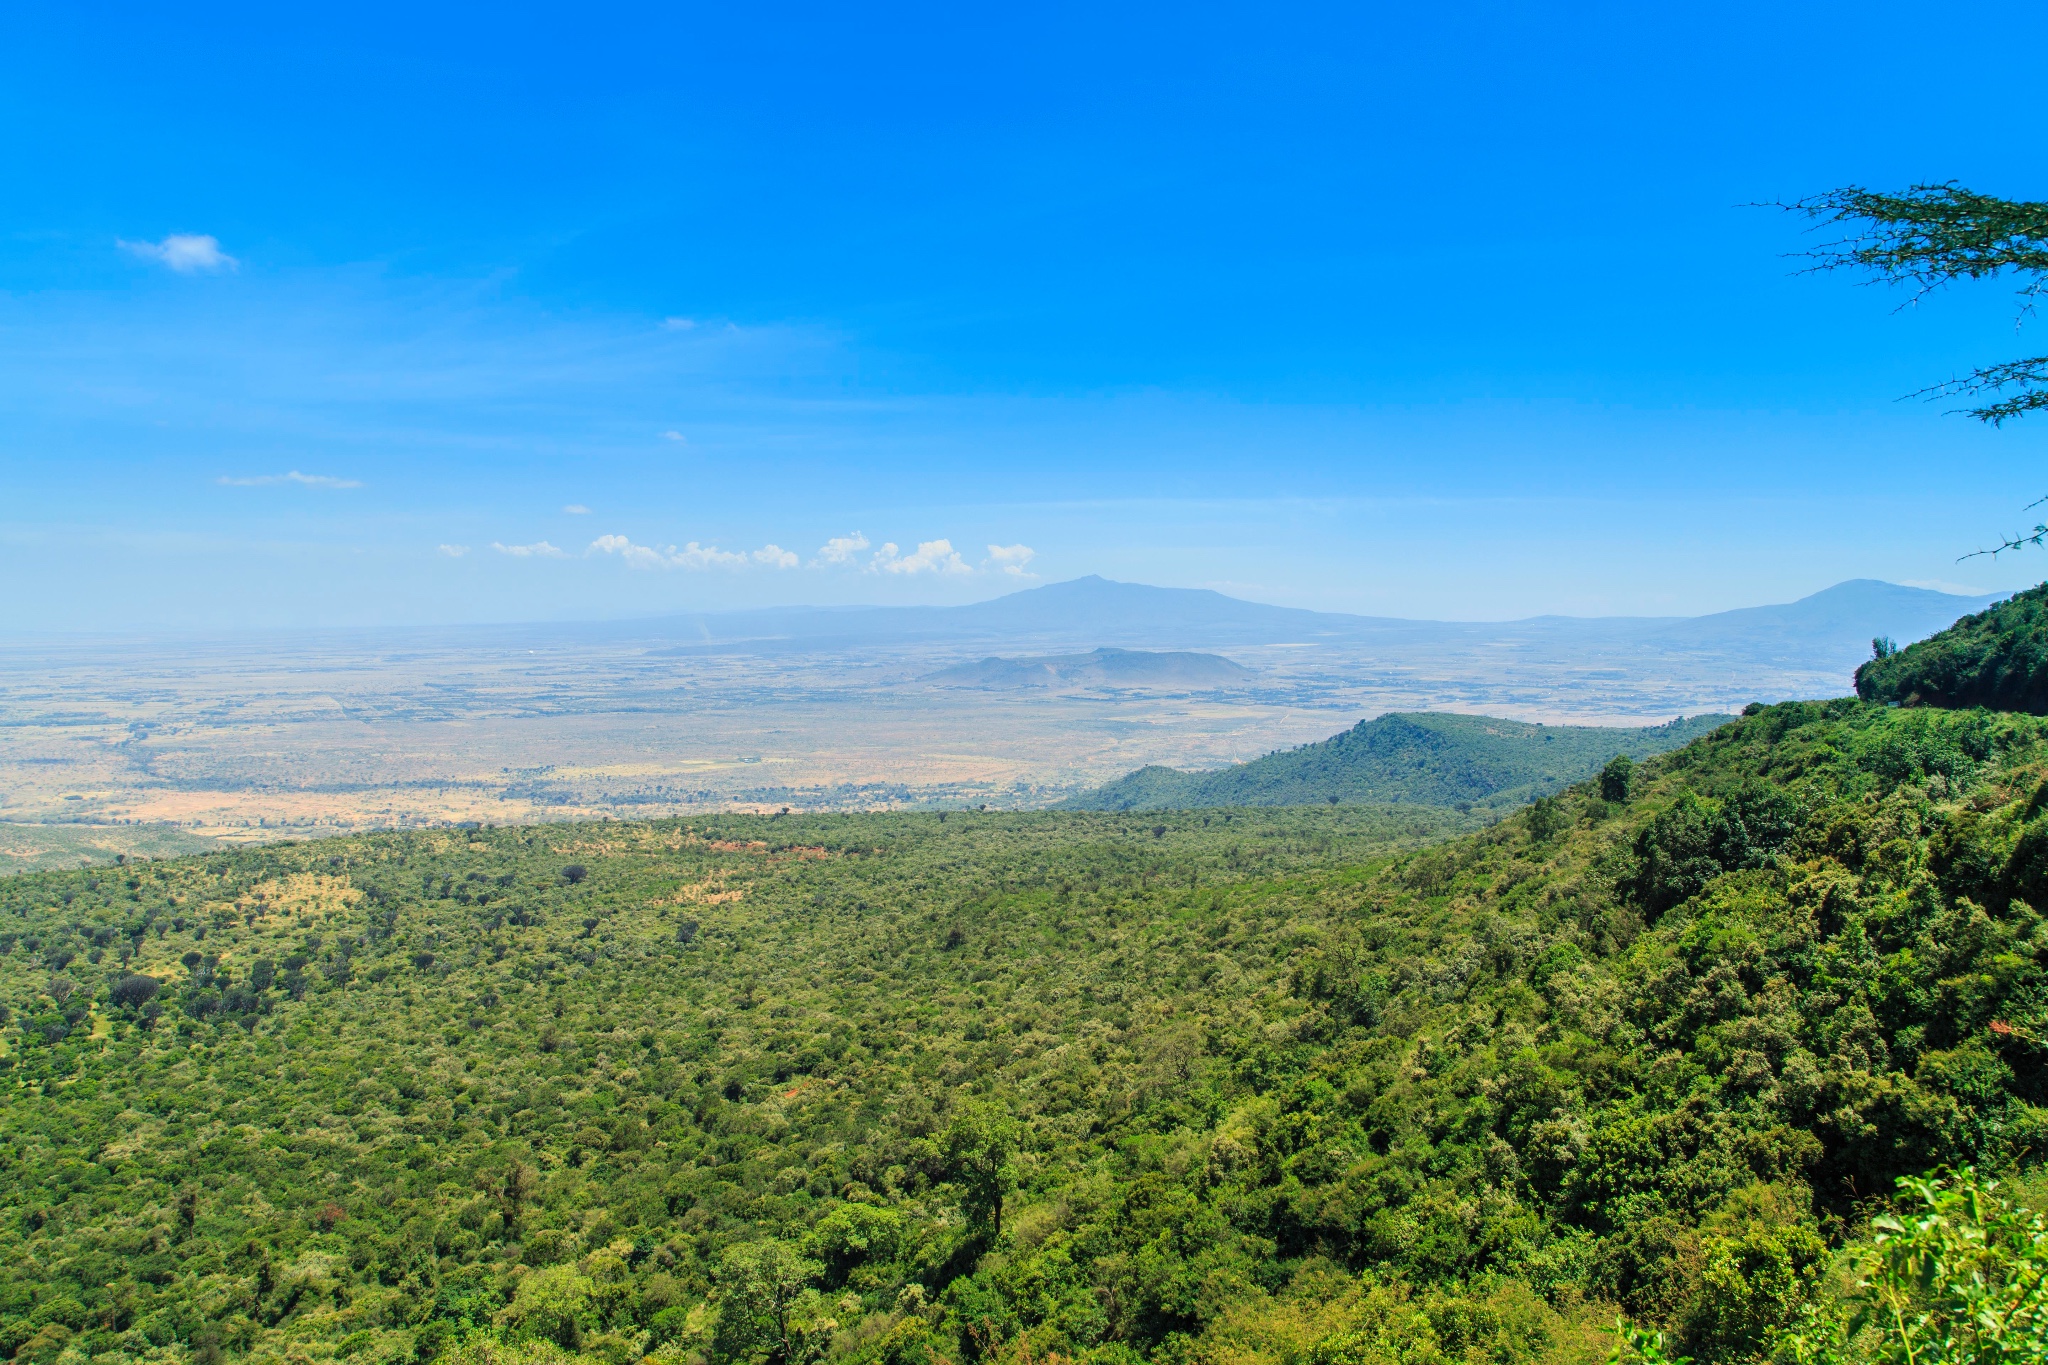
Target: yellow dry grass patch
140	1137
592	847
712	891
301	893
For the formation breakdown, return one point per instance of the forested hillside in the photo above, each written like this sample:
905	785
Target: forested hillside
1277	1086
1431	757
1997	658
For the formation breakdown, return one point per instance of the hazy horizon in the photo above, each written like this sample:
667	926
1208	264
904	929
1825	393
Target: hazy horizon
657	616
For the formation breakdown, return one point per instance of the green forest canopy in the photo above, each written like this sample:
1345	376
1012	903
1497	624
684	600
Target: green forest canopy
1996	658
1287	1085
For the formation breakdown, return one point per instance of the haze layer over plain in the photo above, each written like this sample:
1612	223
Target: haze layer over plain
258	735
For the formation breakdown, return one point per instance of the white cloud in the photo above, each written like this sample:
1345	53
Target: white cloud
576	509
690	556
1943	585
294	476
183	252
455	551
1011	559
695	556
841	549
675	436
930	556
639	556
678	324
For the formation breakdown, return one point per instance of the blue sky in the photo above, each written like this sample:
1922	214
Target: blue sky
1405	310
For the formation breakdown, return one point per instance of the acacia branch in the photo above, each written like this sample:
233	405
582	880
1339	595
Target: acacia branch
2029	377
1930	235
2036	537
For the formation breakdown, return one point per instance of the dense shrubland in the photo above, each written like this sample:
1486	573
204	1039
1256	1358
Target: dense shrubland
1309	1087
1997	658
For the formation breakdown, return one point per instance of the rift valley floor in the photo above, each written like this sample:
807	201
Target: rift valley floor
259	737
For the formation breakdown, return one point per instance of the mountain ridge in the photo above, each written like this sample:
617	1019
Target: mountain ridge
1110	612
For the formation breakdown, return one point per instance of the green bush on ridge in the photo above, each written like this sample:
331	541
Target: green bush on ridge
1997	658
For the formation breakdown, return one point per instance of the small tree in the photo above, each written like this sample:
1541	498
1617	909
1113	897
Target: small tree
764	1297
520	1183
1616	778
977	1150
552	1305
853	1235
134	990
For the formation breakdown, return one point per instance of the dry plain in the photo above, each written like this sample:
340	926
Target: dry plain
284	735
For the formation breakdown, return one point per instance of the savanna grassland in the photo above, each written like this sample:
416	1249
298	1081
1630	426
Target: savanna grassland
1317	1086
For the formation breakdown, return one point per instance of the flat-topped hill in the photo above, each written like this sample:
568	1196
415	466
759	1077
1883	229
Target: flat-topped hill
1147	668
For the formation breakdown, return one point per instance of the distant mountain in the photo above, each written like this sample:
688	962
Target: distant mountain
1425	758
1114	668
1097	611
1088	609
1845	617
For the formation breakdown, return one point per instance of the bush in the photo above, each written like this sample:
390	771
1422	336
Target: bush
1616	778
1959	1278
135	990
552	1305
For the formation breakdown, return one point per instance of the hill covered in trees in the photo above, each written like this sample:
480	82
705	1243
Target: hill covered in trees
1430	758
1227	1087
1997	658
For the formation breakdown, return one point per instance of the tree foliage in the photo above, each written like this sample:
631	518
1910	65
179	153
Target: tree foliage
1996	658
1958	1275
1934	235
1266	1087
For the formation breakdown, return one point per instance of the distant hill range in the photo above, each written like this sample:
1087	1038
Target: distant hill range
1423	758
1608	666
1102	668
1100	611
